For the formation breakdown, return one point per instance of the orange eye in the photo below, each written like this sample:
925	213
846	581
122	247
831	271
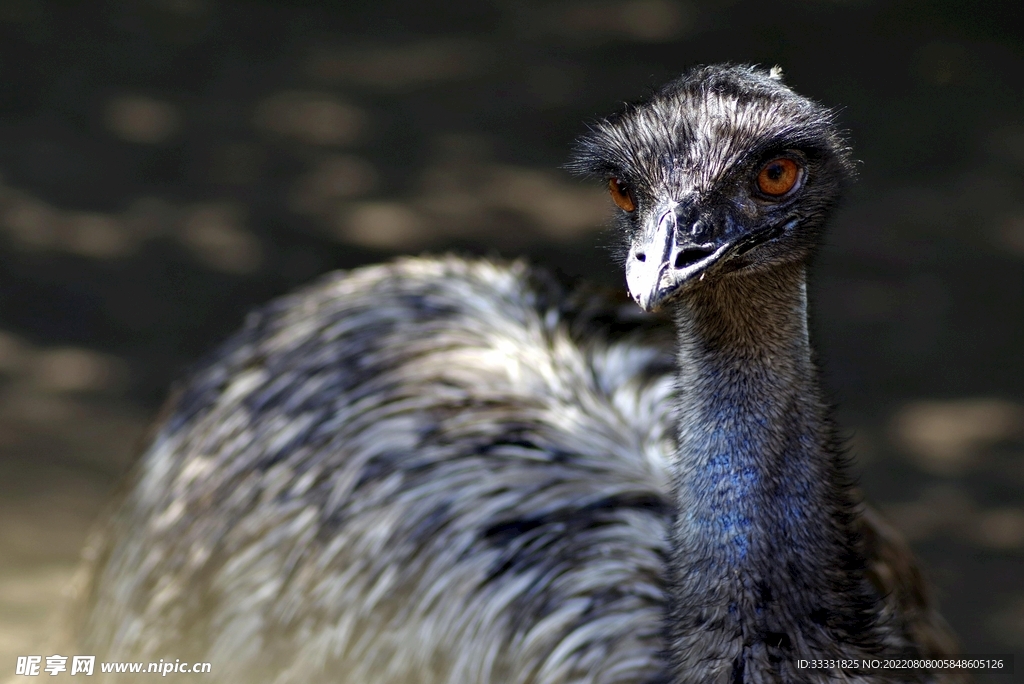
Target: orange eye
778	176
621	194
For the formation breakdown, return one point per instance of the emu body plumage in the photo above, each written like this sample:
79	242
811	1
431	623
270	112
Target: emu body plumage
444	470
417	472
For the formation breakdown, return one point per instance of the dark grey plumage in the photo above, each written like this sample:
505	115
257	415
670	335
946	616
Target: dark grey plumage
443	470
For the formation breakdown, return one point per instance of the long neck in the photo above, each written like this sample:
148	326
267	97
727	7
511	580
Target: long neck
765	565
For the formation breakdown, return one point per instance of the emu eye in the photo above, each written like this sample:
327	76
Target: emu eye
778	176
622	195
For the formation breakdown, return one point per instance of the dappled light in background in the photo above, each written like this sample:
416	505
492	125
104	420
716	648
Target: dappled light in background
639	20
216	236
946	436
71	369
165	165
383	225
312	118
33	225
142	120
332	180
398	67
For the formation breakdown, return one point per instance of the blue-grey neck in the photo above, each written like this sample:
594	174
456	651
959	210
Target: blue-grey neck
754	448
766	565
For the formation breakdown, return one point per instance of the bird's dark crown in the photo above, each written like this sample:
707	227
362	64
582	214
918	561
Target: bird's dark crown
685	164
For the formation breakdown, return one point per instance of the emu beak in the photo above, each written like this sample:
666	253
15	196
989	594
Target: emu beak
676	252
662	260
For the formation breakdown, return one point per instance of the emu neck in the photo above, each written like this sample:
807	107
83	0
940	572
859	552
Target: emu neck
753	455
761	542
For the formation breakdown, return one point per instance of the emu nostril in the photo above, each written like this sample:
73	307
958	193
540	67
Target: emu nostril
690	256
640	256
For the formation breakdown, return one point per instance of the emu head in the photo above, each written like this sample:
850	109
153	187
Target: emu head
724	170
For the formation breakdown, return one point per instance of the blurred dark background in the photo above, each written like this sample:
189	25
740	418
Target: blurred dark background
167	164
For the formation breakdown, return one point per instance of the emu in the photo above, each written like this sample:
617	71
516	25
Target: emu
453	470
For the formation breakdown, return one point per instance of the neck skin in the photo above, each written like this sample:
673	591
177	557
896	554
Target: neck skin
765	564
